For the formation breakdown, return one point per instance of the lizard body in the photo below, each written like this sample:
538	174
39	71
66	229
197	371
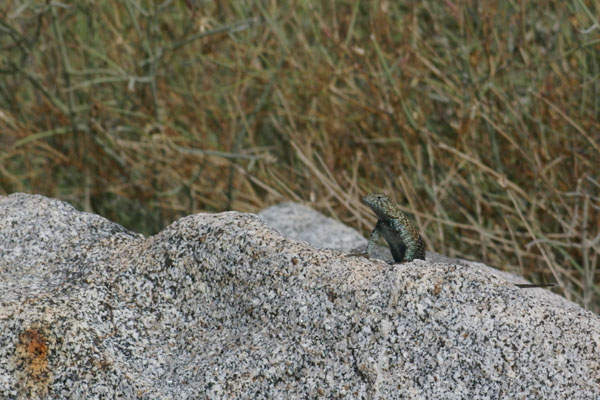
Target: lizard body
402	236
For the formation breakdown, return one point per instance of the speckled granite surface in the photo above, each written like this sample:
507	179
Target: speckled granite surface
222	306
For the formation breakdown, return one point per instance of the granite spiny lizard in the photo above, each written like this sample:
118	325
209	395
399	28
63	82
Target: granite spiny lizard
402	236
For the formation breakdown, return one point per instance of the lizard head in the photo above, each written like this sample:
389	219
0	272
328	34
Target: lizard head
379	203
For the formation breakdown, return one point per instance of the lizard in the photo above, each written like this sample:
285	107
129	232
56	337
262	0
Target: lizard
402	236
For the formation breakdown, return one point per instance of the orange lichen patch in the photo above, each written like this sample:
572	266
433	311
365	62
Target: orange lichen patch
31	355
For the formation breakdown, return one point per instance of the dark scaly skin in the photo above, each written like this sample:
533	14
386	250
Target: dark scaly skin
402	236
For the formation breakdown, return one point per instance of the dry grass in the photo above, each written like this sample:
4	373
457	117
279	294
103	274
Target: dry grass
482	118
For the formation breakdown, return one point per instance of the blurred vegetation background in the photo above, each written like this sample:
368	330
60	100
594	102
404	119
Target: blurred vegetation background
481	118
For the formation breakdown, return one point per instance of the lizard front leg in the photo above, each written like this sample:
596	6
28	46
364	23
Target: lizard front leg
373	238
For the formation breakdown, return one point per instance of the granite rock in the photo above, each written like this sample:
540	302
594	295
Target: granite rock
223	306
299	222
